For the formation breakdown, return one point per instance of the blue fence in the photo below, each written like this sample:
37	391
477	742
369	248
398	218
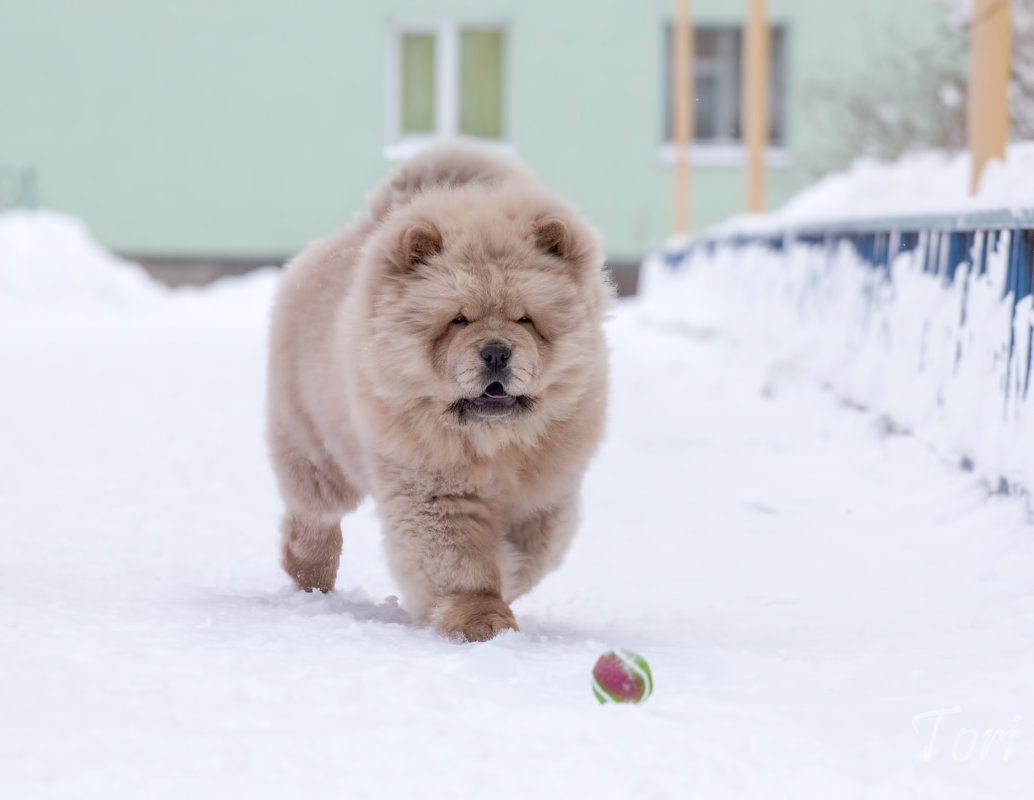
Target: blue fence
949	247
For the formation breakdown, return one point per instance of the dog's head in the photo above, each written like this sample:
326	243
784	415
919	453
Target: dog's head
489	307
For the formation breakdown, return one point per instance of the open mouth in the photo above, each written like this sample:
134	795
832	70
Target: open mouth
494	395
495	401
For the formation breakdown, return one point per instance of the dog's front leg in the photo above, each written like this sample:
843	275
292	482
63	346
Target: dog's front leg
443	547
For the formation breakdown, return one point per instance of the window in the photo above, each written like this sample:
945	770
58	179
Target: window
444	80
417	98
717	82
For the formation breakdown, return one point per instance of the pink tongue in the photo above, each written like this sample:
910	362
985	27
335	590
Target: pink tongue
495	389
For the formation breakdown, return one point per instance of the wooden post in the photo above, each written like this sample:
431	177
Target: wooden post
990	44
682	110
755	101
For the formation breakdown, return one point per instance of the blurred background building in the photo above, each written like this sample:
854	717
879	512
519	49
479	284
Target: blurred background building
230	132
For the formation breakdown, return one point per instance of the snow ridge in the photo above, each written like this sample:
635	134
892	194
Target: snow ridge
934	357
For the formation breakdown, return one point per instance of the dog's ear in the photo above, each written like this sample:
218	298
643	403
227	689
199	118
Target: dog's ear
554	237
418	243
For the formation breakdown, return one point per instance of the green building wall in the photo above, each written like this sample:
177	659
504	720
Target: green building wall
246	128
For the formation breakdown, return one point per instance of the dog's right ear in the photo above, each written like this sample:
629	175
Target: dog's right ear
553	236
418	243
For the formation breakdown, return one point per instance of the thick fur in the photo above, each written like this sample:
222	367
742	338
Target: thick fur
377	359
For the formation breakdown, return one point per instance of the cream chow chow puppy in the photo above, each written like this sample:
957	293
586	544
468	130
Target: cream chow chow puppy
444	355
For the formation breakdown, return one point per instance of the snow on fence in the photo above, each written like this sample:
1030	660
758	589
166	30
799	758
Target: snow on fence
925	320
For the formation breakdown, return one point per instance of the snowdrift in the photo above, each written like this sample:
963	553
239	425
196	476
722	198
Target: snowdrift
47	258
925	183
945	359
53	274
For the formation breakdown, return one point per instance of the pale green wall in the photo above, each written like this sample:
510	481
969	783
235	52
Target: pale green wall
247	128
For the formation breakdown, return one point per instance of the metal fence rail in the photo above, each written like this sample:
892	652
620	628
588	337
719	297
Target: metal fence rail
949	247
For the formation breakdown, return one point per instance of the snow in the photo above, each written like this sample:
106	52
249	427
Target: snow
924	183
947	361
829	607
51	258
55	278
897	345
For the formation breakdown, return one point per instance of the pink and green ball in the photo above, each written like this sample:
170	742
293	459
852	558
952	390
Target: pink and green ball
621	677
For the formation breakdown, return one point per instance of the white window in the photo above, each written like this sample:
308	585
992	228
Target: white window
717	89
444	79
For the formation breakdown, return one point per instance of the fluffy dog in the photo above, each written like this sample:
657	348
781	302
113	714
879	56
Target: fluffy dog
445	355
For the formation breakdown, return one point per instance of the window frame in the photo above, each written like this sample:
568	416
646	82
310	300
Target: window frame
723	69
447	78
727	151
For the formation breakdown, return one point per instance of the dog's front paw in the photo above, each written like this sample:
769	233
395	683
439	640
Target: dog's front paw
310	575
473	617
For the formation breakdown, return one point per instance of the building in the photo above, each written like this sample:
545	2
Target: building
225	129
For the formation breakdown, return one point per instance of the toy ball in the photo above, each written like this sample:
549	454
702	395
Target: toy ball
621	677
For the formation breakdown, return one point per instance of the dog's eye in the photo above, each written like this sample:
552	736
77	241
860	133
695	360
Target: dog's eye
460	320
524	320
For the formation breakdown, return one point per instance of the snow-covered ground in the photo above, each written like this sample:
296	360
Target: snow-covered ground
830	608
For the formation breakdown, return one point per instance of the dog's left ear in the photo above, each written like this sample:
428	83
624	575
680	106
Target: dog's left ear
554	237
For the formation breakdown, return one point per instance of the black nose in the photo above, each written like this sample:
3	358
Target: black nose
495	356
